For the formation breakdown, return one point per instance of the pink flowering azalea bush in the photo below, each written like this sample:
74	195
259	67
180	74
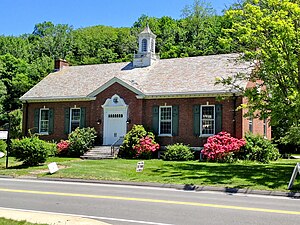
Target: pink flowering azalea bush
222	147
63	147
138	143
145	148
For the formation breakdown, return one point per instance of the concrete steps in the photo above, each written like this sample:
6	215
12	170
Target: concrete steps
99	152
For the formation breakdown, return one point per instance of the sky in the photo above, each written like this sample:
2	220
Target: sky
19	16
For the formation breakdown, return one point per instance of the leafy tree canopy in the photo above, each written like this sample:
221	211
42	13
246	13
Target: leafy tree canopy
268	31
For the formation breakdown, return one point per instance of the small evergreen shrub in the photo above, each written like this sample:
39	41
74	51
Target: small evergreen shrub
132	139
81	140
2	146
145	148
31	150
178	152
259	149
222	147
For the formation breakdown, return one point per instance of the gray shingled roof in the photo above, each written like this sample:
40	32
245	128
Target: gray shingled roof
192	75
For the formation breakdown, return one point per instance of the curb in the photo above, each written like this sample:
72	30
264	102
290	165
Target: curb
186	187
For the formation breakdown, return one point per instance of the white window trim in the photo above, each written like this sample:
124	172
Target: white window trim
164	135
265	128
70	125
207	135
250	123
40	120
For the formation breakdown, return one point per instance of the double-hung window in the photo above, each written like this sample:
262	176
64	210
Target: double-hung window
74	118
165	120
44	121
207	120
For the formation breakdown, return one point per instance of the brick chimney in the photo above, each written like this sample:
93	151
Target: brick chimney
60	64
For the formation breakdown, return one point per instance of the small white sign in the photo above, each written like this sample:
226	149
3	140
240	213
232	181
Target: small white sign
140	166
294	175
52	167
3	135
1	154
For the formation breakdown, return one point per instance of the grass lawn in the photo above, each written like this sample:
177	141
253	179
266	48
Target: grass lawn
273	176
14	222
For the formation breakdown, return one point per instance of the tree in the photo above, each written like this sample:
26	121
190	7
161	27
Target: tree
269	31
52	40
202	28
14	75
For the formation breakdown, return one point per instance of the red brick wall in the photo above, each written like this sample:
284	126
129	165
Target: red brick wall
257	125
59	116
94	111
186	132
140	112
134	106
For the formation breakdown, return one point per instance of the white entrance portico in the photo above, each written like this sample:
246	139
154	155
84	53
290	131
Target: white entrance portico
115	117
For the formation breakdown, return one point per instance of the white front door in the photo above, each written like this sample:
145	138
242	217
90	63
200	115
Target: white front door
115	117
115	126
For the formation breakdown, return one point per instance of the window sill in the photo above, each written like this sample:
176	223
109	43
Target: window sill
165	135
43	133
206	135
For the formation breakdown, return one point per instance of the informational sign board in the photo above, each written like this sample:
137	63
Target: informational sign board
3	135
53	167
140	166
294	175
1	154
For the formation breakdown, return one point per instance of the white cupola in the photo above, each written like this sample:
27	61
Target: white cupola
146	54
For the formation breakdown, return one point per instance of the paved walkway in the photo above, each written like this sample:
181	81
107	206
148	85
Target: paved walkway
47	218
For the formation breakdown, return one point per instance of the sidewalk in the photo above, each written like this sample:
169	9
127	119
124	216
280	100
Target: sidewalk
47	218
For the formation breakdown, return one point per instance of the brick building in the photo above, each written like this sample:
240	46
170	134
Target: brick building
175	98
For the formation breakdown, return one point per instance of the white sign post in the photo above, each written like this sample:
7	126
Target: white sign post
140	166
52	167
294	175
3	135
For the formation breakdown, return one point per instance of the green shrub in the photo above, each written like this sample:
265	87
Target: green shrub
2	146
81	140
178	152
31	150
258	148
132	139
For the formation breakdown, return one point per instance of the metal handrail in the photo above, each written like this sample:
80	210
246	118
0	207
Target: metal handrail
112	147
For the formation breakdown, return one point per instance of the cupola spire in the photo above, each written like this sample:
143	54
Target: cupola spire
146	54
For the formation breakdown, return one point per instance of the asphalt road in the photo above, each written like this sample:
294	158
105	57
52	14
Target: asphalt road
117	204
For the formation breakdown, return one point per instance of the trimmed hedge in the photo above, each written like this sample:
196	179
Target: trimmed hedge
178	152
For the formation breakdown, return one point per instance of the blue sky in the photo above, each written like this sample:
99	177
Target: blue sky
19	16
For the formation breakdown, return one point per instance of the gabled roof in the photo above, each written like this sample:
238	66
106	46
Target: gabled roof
166	77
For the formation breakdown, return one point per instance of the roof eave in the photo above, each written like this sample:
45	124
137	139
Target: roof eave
189	94
57	99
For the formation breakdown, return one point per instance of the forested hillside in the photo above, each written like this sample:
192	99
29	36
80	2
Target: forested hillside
26	59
